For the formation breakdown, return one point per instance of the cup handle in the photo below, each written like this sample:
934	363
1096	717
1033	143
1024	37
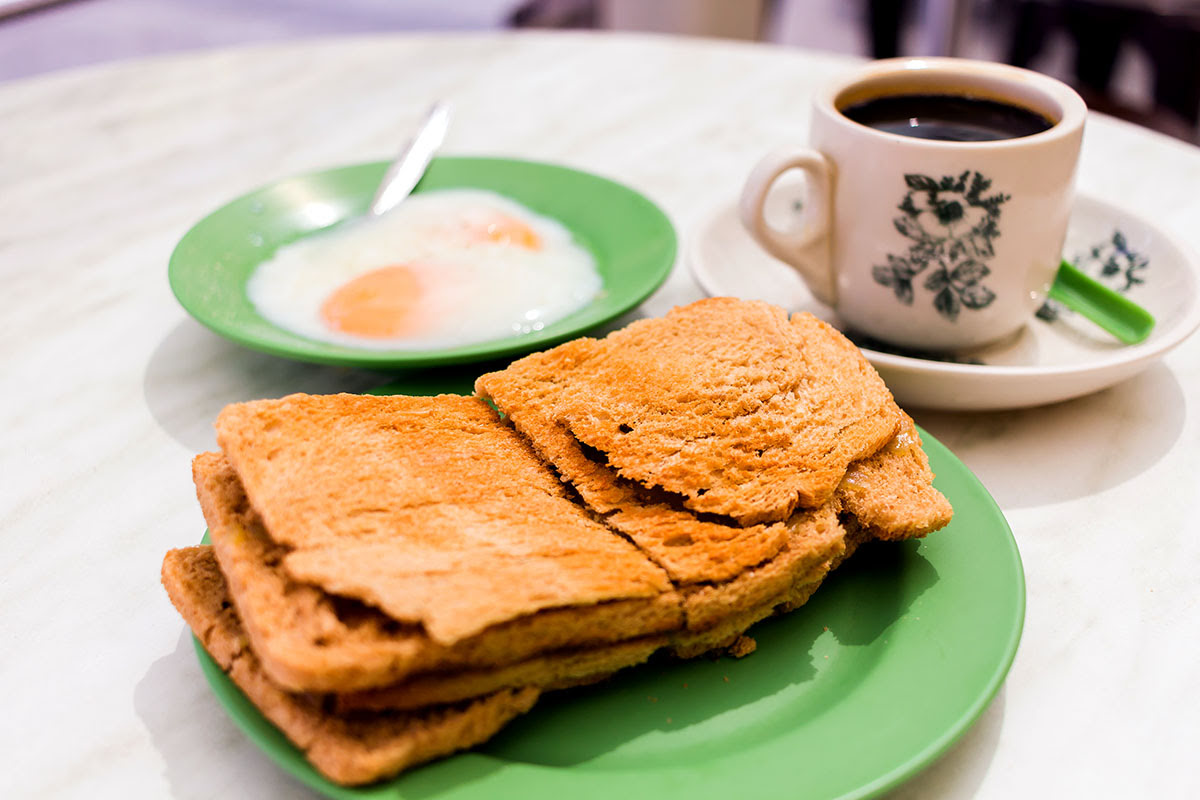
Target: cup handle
807	251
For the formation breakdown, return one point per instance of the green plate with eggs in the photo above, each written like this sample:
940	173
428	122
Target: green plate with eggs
630	238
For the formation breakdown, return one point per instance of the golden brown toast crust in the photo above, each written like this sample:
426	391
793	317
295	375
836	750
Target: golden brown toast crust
729	404
197	589
891	493
815	538
553	670
717	613
690	549
729	634
309	641
425	508
348	750
898	502
727	567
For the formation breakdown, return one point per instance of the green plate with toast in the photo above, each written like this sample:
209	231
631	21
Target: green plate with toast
631	239
888	664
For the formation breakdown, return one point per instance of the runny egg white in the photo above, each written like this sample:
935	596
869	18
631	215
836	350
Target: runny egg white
443	269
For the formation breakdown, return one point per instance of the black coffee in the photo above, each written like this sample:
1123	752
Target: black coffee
949	118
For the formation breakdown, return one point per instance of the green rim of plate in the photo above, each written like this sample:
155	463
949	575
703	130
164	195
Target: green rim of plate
888	664
632	240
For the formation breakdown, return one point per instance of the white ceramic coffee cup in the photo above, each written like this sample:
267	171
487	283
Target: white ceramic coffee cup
929	244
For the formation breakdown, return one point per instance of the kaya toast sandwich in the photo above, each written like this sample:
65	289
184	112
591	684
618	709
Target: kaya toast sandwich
425	509
349	750
778	396
298	634
750	590
324	641
339	640
370	631
732	406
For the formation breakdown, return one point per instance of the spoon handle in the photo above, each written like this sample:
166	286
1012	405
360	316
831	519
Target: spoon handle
406	170
1113	312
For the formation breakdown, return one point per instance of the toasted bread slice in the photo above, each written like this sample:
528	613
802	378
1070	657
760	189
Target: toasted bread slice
346	749
729	404
561	670
309	640
689	548
891	493
729	634
556	670
891	490
816	540
428	509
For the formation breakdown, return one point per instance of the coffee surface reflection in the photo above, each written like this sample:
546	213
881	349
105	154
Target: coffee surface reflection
948	118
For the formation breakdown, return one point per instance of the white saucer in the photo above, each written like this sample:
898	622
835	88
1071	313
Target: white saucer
1046	362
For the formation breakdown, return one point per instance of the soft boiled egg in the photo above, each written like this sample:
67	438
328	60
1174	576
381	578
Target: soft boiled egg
443	269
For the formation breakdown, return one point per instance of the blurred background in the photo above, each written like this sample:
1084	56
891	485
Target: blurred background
1135	59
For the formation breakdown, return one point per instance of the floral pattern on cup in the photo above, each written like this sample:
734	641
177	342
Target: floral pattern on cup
951	224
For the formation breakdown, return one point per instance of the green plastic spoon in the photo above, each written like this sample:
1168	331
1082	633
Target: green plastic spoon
1113	312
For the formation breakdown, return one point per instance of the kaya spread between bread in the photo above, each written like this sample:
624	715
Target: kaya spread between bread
392	579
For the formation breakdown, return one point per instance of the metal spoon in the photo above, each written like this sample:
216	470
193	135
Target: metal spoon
1113	312
406	170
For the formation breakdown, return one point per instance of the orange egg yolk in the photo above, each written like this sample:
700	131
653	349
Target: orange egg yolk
506	230
379	304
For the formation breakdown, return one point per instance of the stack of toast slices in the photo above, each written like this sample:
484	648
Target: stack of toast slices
391	579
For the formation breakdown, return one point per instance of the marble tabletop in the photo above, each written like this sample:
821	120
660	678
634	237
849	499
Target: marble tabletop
110	388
